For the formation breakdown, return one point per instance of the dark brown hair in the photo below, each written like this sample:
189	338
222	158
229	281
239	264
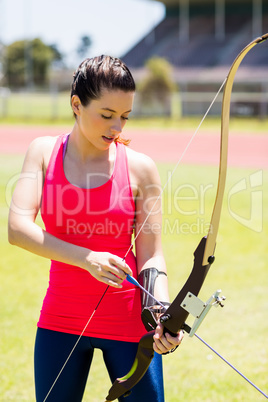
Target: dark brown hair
98	73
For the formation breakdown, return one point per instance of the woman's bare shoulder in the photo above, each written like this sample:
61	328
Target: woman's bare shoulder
139	160
142	167
39	151
42	143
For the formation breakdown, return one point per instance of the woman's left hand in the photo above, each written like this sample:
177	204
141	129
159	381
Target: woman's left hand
163	343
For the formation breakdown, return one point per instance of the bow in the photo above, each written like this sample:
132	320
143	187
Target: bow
175	316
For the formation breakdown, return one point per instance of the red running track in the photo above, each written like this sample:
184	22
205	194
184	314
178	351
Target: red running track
244	150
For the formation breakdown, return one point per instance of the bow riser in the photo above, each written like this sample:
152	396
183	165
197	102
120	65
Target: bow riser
173	320
175	316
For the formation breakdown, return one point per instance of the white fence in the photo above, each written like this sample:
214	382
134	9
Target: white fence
56	106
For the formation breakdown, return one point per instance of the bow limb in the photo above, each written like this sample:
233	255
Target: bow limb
175	316
142	361
225	116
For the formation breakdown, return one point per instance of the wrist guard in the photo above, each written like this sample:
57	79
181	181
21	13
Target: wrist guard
150	309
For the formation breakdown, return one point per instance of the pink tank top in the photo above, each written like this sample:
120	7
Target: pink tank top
100	219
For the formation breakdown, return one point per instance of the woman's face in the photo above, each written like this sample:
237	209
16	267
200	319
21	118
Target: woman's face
103	119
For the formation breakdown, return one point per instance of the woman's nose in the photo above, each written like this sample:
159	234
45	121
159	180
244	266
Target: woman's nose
116	127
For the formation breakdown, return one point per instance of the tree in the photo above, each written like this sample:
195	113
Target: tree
26	61
158	84
84	45
155	90
57	55
1	61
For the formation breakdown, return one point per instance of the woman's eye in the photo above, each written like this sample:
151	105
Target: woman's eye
106	117
124	118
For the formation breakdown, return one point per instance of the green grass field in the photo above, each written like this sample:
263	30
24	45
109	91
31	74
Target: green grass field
238	331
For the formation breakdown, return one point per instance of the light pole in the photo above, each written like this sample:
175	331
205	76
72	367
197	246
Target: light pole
28	51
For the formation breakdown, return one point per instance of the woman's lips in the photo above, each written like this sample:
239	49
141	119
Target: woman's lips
107	139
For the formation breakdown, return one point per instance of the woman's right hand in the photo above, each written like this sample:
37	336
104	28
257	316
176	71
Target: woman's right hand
107	268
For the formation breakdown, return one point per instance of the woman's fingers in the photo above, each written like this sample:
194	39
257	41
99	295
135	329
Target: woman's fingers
121	266
108	269
163	343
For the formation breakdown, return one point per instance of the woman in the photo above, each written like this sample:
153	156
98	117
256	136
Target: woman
92	190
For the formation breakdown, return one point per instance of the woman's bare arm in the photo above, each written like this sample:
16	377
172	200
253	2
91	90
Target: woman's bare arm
25	233
149	251
147	187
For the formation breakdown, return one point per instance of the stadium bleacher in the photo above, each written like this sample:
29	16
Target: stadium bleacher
203	49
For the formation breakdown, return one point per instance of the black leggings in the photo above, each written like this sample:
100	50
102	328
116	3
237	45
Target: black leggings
52	349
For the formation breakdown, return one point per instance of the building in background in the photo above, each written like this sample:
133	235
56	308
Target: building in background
201	38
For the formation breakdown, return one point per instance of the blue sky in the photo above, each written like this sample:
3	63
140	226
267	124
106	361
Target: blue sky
113	25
